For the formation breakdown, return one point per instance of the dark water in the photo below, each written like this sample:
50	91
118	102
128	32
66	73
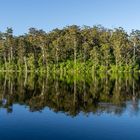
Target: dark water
103	107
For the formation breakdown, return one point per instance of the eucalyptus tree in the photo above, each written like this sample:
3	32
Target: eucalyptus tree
56	44
44	47
86	46
34	48
41	43
22	53
119	40
9	43
106	48
2	53
74	34
135	39
94	41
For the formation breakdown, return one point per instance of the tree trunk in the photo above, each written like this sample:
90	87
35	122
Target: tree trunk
5	61
25	62
43	55
11	53
75	54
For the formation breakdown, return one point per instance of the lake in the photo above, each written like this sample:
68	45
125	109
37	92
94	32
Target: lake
40	107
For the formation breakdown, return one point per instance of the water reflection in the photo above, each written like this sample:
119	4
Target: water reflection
71	94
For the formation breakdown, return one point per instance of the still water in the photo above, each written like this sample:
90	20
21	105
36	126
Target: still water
103	107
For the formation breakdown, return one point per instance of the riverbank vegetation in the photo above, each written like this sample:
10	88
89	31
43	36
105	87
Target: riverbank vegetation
71	49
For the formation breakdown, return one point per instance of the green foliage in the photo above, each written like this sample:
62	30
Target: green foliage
71	50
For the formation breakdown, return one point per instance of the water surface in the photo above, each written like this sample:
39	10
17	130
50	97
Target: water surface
103	107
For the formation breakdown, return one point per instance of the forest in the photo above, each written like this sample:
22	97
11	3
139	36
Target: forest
71	49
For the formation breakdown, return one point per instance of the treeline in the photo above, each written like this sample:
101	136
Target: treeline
73	48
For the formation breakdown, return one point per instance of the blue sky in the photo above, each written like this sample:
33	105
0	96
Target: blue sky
49	14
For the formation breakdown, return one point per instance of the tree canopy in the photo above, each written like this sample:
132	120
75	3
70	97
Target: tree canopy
71	48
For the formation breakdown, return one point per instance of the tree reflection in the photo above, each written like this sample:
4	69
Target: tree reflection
71	94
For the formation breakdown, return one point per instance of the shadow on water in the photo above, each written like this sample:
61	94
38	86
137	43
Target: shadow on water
71	95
